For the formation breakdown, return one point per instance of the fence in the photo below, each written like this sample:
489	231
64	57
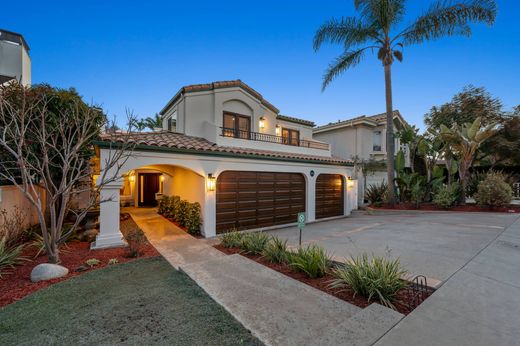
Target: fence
11	197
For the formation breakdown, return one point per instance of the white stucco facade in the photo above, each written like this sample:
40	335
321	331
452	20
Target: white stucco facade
185	155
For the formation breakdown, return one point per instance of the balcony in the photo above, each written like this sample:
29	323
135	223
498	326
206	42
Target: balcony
264	137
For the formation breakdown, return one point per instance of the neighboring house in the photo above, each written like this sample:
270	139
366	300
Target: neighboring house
15	63
363	137
223	145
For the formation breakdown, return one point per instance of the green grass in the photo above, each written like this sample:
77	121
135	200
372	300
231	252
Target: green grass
140	303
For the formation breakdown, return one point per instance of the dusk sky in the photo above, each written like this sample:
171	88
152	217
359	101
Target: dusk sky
136	55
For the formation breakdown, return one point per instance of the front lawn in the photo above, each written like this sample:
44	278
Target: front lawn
143	302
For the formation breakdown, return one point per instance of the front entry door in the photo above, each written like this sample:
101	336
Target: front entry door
148	187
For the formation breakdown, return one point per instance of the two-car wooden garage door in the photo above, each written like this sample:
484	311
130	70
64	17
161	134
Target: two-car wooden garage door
248	200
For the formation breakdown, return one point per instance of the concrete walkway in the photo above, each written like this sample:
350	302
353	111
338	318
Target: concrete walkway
277	309
478	305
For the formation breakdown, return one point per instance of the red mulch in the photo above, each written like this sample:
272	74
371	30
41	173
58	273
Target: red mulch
401	303
467	207
16	284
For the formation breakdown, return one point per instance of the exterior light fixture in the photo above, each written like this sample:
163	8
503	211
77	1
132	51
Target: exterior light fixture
131	178
211	182
161	178
278	130
261	123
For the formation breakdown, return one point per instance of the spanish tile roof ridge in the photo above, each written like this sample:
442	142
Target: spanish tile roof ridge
374	118
175	140
220	85
295	120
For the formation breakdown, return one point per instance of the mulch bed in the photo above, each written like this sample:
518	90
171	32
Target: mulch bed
16	284
401	302
467	207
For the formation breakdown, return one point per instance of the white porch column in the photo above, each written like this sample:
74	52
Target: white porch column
352	196
109	233
209	217
311	198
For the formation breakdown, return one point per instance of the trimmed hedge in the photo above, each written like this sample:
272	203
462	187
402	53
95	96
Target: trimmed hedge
186	214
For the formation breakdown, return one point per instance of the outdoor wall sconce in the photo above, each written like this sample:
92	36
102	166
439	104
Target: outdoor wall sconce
261	123
278	130
211	182
131	178
161	178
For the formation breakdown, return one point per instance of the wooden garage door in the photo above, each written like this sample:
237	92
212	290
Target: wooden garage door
329	195
248	200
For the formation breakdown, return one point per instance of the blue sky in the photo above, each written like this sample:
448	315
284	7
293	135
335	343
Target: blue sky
136	55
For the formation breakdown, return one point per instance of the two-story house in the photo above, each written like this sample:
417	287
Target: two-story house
15	62
363	137
225	146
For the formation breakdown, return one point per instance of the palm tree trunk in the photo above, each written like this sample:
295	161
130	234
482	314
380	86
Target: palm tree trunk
390	145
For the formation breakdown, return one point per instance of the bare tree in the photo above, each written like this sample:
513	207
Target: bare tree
53	152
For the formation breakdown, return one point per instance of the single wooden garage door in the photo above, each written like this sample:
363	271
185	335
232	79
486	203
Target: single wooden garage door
330	189
248	200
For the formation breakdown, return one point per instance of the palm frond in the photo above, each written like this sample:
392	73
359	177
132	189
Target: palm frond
449	18
384	13
345	61
348	31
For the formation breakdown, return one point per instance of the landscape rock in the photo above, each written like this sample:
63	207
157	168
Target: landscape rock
47	271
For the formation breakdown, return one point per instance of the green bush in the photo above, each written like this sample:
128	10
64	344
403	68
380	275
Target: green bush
311	260
135	239
275	251
163	205
378	278
446	196
231	239
174	208
494	191
376	194
254	243
181	216
193	218
10	256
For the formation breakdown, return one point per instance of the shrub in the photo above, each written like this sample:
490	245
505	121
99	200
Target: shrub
447	196
10	256
92	262
275	251
494	191
175	202
12	226
135	239
254	243
163	205
311	260
378	278
113	261
231	239
193	218
181	215
376	194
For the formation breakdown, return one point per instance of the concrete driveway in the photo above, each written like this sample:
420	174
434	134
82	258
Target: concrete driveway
434	244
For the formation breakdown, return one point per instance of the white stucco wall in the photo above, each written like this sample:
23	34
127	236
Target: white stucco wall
187	166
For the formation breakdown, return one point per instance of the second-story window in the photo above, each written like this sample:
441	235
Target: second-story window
236	125
172	122
377	141
291	137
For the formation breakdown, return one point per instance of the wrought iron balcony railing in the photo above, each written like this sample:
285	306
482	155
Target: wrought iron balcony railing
264	137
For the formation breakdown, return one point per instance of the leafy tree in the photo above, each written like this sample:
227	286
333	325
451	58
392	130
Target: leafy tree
504	147
377	28
465	141
466	106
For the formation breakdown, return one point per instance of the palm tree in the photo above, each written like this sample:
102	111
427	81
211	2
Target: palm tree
151	123
377	29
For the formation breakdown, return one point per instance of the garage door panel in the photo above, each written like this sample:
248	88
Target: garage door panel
258	199
329	195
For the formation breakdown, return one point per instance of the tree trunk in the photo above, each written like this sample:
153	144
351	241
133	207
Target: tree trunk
390	145
53	253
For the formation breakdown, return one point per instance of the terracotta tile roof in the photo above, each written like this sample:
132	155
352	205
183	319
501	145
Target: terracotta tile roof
375	119
179	142
296	120
219	85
